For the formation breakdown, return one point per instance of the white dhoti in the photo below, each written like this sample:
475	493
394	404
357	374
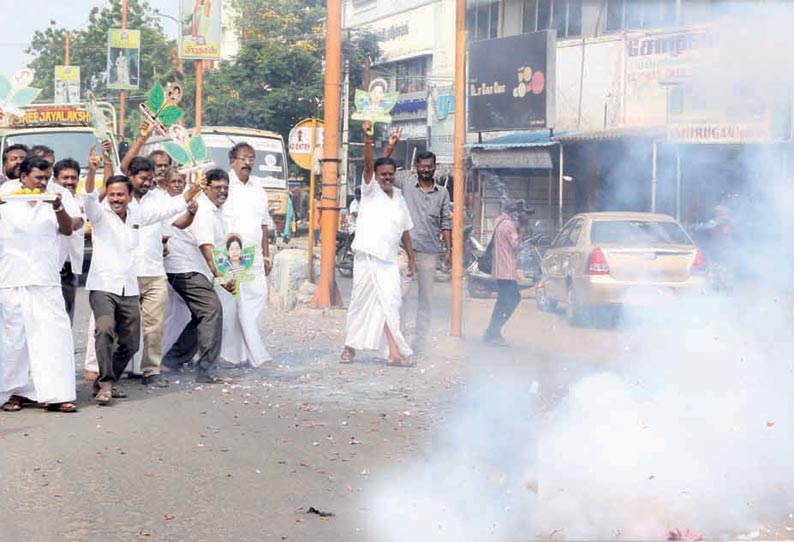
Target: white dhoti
36	346
242	338
375	302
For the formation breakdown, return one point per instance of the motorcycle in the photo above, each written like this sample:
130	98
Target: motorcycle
482	285
344	253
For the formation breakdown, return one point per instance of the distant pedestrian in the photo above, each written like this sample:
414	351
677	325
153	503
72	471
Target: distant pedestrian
507	236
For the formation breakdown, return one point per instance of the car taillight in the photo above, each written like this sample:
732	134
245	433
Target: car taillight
700	265
597	263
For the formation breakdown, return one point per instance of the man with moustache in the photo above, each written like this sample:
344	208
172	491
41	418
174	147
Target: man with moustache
36	348
152	281
12	158
113	278
159	158
373	317
246	213
192	272
66	174
430	209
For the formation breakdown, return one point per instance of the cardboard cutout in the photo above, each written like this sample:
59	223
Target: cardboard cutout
375	105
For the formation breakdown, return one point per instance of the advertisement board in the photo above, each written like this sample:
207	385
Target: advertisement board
200	29
67	84
511	82
124	59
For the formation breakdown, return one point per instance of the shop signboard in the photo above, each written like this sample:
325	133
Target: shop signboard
714	132
511	82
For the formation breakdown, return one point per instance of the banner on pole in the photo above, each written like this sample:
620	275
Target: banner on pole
124	59
67	84
200	29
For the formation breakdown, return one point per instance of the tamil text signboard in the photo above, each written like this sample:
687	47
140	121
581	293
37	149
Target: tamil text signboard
200	29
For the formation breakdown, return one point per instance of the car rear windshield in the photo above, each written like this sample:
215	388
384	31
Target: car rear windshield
638	233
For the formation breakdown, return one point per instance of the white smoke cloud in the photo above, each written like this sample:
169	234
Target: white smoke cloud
692	428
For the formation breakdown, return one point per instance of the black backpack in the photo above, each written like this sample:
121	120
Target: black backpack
485	262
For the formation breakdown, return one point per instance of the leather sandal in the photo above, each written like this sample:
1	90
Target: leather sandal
14	404
61	407
348	355
104	397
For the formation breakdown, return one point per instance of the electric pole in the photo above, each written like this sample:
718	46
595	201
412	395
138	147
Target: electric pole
327	293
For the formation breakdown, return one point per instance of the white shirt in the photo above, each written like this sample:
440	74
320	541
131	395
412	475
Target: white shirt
184	255
115	242
381	222
72	247
149	254
29	241
208	226
246	211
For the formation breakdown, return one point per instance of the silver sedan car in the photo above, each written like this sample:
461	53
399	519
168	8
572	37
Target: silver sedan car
618	259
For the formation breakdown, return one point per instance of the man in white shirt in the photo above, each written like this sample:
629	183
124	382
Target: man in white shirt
113	278
152	282
66	174
373	317
191	278
36	348
246	214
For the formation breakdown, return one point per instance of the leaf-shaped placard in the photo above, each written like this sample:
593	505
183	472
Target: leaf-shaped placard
176	152
24	96
156	98
5	86
197	148
170	115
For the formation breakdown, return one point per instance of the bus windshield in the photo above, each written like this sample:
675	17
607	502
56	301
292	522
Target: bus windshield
269	164
66	143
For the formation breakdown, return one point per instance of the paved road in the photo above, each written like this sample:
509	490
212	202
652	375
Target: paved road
246	461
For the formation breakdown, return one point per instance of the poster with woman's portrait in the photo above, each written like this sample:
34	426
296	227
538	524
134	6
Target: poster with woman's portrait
124	58
234	260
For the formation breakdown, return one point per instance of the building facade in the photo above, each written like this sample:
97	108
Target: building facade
645	109
417	41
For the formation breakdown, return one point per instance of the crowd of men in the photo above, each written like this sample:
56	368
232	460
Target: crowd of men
155	288
160	291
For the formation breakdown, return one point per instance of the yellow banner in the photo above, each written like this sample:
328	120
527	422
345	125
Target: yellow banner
200	32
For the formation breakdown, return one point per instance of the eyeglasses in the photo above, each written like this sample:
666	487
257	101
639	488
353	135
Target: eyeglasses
248	159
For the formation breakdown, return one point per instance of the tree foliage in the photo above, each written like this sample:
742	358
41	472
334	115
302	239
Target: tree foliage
277	77
89	51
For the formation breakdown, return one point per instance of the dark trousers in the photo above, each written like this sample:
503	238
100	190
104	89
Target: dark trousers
68	289
203	333
118	319
508	298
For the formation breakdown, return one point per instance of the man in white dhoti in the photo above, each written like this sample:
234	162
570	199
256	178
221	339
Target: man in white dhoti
112	280
246	213
373	317
36	349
